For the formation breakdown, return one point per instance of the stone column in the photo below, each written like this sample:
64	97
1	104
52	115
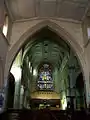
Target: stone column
17	95
25	99
21	97
3	88
1	73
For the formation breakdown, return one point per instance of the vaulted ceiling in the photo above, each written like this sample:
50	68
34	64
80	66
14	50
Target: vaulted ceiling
46	51
70	9
46	48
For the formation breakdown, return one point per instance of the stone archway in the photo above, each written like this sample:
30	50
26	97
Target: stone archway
59	31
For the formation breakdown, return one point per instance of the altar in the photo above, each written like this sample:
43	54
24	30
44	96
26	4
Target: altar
43	99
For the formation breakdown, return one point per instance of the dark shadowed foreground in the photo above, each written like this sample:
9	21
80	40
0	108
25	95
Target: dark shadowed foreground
44	114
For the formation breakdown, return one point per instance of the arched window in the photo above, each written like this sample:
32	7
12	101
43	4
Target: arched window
45	81
88	32
5	26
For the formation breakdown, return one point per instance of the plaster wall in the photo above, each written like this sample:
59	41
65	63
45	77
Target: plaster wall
73	28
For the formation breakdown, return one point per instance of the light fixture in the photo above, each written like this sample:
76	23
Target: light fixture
64	102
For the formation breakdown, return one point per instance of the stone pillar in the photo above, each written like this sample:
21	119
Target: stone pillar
2	87
56	80
17	95
21	97
87	88
25	99
1	73
72	86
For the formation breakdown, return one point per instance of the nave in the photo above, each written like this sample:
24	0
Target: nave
45	80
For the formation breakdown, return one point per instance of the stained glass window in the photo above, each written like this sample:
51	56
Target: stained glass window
45	81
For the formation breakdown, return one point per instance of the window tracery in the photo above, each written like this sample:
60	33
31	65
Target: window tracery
45	81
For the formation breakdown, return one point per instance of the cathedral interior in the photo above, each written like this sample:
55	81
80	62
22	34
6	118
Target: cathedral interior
46	72
44	58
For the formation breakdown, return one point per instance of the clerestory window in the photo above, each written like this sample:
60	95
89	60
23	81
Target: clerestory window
5	26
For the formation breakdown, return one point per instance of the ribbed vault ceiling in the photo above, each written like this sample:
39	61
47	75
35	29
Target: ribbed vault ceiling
70	9
46	48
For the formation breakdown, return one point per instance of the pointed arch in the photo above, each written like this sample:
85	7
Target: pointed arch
61	32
